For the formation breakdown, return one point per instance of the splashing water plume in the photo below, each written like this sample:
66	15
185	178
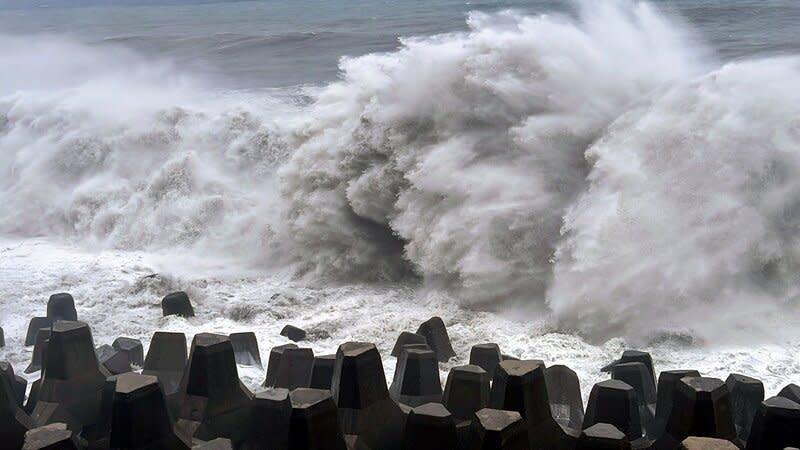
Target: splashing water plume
603	168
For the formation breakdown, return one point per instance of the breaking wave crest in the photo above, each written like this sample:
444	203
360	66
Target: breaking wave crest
602	167
103	145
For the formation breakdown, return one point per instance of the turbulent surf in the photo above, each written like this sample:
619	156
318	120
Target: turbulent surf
629	183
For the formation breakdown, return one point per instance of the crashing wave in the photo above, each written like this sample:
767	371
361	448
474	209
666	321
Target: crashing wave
602	166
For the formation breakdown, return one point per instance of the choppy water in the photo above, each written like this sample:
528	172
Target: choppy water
257	44
590	175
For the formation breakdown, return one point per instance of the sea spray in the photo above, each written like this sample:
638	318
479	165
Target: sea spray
128	153
464	150
601	167
691	215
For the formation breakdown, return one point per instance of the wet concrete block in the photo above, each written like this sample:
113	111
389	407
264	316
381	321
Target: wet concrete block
36	324
614	402
636	375
167	352
701	443
462	432
487	356
415	347
39	349
746	395
430	427
214	401
270	417
466	391
139	415
273	363
177	304
14	422
701	407
52	412
322	371
603	436
314	423
416	378
564	392
33	396
245	349
17	383
633	356
521	386
289	367
407	338
293	333
72	379
494	429
20	385
435	334
98	434
132	347
215	444
61	307
113	360
166	359
360	392
356	378
792	392
667	381
55	436
776	425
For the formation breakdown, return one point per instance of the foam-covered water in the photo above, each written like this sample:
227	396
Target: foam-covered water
119	293
589	189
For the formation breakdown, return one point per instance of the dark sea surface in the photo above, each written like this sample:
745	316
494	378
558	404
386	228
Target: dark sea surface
255	44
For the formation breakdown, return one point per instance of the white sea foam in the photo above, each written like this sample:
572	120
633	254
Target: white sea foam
116	292
691	216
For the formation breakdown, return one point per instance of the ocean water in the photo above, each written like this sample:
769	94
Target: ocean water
267	44
568	179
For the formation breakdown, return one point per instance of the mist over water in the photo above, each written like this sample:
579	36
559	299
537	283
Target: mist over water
603	166
464	150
